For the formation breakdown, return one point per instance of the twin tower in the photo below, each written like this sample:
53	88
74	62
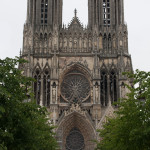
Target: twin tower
77	70
100	12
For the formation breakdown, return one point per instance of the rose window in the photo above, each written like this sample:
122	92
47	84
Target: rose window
75	140
75	88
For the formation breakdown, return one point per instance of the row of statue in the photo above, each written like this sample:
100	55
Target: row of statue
81	44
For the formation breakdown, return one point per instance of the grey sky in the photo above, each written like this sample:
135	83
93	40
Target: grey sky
137	16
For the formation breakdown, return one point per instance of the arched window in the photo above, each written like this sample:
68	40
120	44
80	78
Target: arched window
44	12
46	88
45	36
41	36
37	85
105	41
106	12
113	87
104	93
109	41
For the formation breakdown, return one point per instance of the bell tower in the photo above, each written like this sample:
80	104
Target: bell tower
44	12
106	12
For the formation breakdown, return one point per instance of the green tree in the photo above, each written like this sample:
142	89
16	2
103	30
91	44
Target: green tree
130	128
23	125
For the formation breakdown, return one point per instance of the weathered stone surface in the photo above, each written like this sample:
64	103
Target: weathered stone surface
65	61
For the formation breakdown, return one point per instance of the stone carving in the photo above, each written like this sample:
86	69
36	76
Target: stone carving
55	40
65	42
85	64
80	42
60	43
50	42
75	43
85	43
70	43
96	93
114	42
74	108
54	94
90	43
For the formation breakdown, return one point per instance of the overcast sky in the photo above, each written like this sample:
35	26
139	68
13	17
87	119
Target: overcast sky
137	16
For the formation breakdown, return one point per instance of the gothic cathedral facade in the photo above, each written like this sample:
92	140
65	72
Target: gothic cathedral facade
78	70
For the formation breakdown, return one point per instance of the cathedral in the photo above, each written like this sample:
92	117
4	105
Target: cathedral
77	70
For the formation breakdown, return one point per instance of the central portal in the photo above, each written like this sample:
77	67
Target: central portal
75	140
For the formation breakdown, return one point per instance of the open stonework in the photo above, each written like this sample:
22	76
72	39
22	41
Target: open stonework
77	70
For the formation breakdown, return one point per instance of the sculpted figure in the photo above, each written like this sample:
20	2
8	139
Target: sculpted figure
70	43
50	42
75	43
65	42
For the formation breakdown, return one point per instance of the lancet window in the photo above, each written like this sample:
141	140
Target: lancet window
105	41
46	88
104	92
37	85
109	41
113	87
44	12
106	12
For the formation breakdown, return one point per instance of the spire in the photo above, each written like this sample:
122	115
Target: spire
75	12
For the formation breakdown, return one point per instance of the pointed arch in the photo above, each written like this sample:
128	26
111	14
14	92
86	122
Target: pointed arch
45	36
109	40
105	41
114	89
37	85
103	88
100	41
79	76
46	87
82	123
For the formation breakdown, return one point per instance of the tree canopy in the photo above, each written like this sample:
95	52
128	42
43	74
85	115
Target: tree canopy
23	125
130	128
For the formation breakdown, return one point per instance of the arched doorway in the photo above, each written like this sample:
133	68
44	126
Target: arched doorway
76	132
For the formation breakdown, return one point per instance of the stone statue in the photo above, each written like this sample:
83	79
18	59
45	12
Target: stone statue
96	94
70	43
54	94
65	42
75	43
50	42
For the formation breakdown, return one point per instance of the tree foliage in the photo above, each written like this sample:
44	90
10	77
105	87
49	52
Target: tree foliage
23	125
130	129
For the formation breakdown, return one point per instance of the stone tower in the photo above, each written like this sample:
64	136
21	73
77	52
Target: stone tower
78	71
